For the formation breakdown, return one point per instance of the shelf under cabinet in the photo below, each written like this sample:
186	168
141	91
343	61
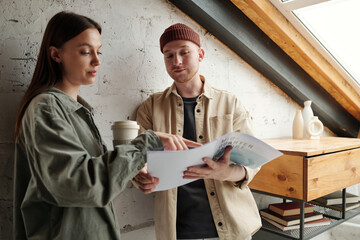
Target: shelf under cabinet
310	169
313	231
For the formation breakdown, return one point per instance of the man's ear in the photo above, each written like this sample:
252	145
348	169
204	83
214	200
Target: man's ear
55	54
201	54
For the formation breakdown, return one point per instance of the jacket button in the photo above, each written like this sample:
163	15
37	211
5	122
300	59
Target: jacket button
198	110
179	130
179	104
220	224
201	137
212	193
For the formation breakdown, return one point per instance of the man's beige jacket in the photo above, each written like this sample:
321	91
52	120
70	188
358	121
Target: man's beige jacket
217	112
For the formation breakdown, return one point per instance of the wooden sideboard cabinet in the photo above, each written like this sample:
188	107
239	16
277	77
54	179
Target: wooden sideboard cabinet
310	169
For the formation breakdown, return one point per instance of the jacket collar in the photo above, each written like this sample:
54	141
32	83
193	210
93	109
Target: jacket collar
208	91
68	102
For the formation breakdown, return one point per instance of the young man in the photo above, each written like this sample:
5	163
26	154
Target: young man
218	205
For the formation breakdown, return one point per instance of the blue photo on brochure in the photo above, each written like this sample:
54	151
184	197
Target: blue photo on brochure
247	150
244	157
247	158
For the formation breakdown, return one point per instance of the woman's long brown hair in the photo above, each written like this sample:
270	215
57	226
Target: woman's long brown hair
61	28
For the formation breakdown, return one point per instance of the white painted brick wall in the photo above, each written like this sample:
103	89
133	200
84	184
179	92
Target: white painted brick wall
132	68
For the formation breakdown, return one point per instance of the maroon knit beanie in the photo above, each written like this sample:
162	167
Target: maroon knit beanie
178	31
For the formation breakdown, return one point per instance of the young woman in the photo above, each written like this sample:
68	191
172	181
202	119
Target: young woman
65	179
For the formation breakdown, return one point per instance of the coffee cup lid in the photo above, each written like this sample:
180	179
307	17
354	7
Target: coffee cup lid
125	124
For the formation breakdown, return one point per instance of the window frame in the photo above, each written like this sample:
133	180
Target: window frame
286	8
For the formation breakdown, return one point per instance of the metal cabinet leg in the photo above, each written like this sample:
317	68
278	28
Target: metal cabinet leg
302	215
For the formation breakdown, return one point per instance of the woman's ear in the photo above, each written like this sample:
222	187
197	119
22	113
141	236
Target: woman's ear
55	54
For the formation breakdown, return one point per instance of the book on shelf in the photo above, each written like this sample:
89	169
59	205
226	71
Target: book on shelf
290	208
290	220
338	207
336	198
316	223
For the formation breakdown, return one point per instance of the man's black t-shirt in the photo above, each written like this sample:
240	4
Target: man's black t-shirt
194	218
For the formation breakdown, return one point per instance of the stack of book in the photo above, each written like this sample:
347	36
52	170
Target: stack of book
334	201
286	216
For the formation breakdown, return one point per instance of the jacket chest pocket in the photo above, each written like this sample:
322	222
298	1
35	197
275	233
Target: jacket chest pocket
220	125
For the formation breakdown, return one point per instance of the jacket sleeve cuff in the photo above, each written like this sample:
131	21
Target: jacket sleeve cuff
148	141
250	174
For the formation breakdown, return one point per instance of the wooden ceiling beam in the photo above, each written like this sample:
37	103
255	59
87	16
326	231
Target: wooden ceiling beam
276	26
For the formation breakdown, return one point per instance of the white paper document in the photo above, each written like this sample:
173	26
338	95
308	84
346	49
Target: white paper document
169	166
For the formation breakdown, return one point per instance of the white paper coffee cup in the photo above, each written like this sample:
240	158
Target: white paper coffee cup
124	131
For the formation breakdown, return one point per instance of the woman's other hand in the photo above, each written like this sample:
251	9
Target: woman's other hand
145	182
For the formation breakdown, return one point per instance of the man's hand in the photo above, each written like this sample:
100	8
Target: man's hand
145	182
221	170
174	142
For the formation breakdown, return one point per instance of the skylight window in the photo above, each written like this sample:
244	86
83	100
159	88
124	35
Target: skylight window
331	26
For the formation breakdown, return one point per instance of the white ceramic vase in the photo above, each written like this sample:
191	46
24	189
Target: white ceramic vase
314	128
307	115
298	126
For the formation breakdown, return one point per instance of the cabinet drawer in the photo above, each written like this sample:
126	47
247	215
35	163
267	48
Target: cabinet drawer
282	176
331	172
